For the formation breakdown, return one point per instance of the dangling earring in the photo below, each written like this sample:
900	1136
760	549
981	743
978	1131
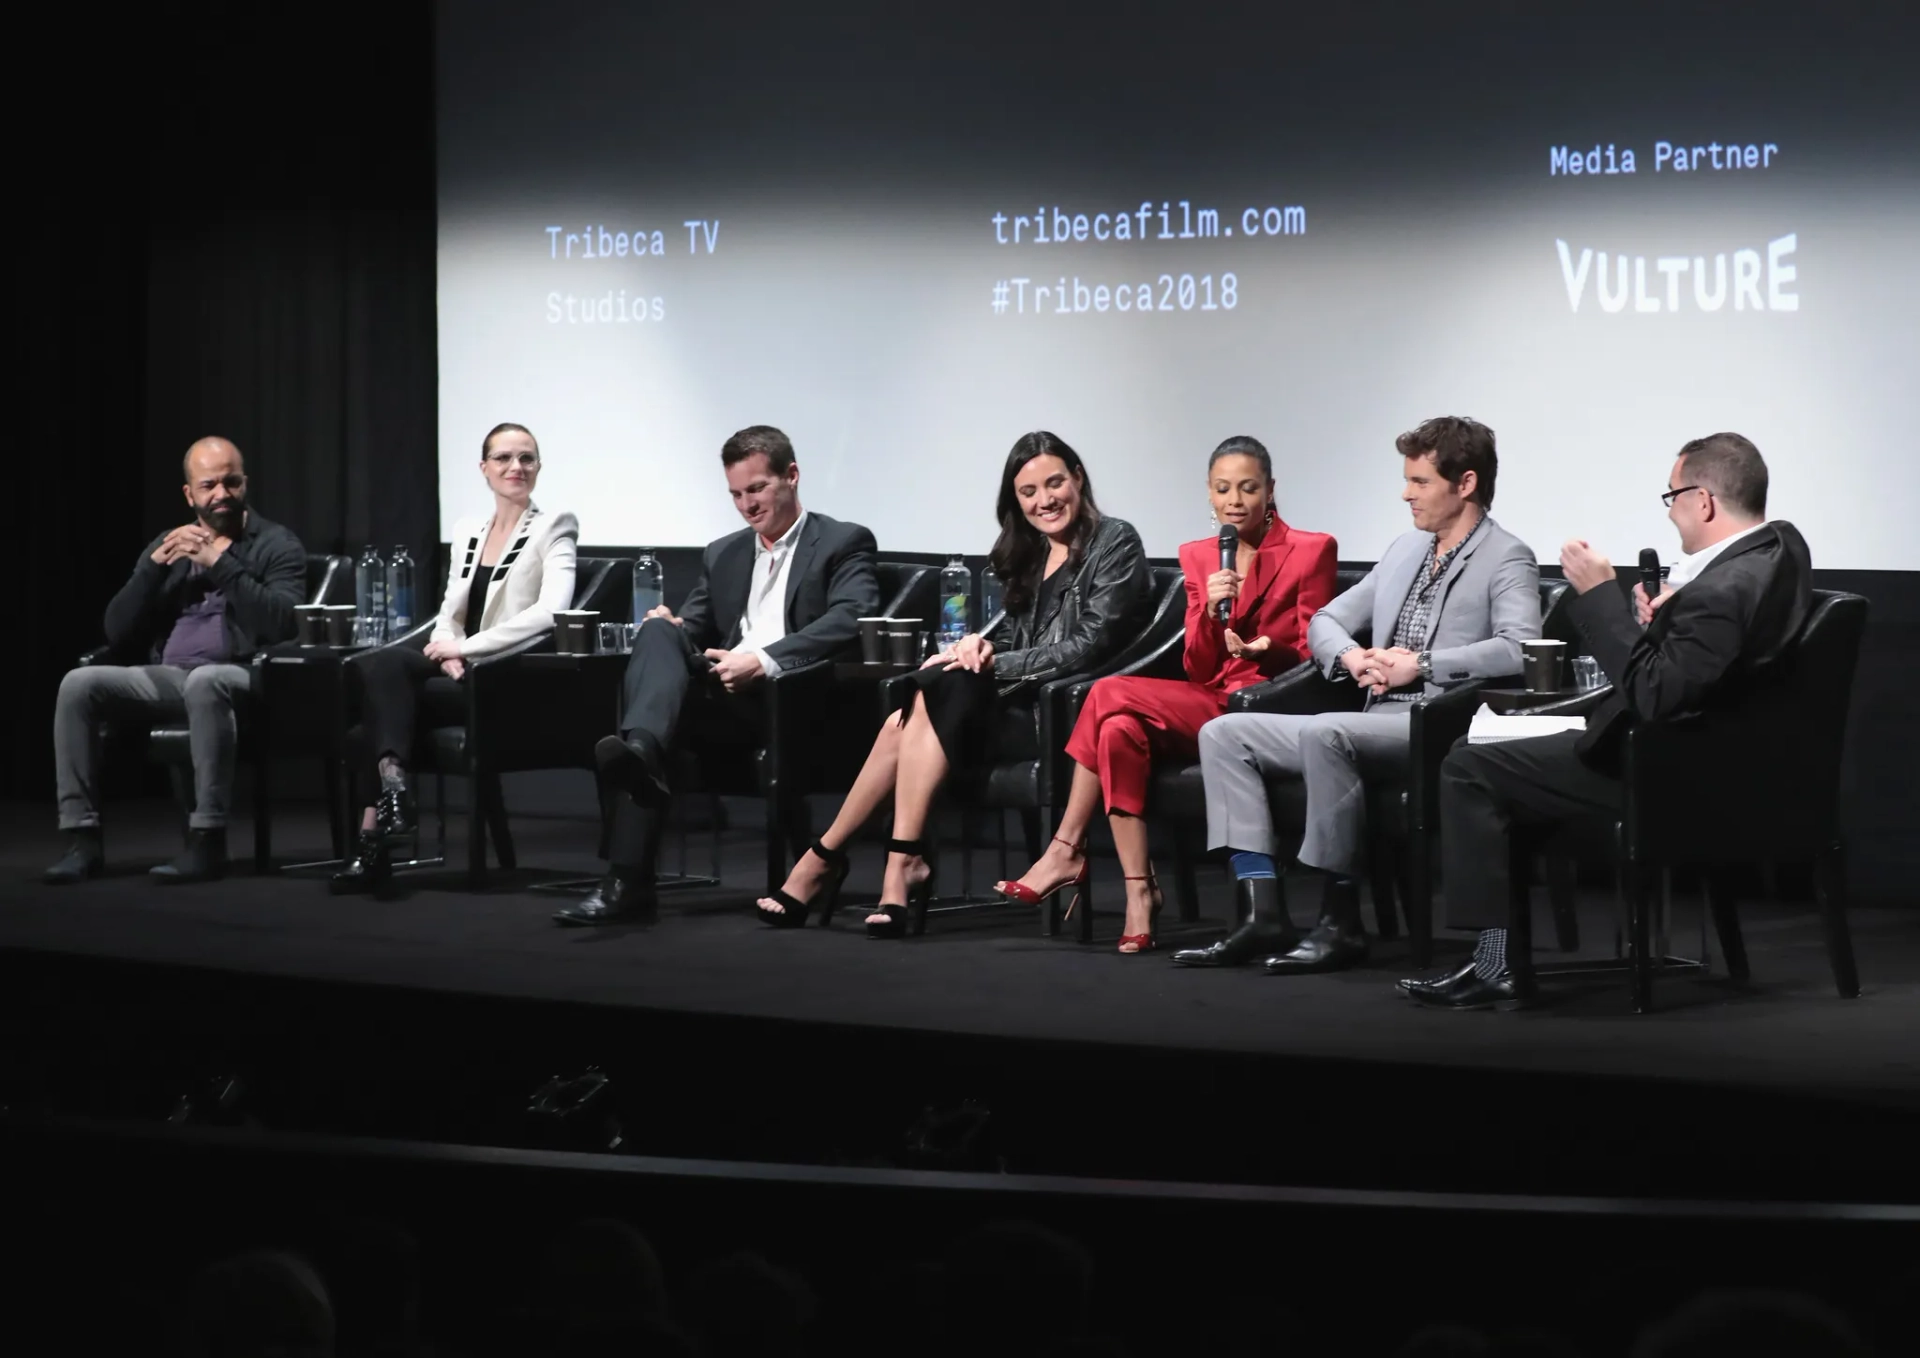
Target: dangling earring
1213	518
1270	517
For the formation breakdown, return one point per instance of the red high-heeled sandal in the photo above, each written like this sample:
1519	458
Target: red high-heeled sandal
1144	942
1022	894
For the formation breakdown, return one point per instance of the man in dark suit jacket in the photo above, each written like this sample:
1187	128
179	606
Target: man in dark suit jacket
787	590
1729	611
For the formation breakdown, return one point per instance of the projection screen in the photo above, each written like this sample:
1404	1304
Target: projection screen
908	233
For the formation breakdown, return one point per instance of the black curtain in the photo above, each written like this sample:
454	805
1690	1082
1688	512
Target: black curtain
233	230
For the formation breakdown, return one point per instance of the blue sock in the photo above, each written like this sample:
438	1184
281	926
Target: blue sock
1255	865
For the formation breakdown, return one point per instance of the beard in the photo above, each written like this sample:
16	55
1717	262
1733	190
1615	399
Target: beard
225	516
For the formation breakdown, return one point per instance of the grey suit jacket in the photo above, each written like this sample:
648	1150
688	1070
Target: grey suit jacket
1488	604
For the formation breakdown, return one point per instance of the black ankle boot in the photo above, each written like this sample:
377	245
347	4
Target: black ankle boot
368	870
394	816
1265	930
1336	942
624	896
86	856
203	860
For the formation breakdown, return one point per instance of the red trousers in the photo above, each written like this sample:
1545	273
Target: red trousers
1128	720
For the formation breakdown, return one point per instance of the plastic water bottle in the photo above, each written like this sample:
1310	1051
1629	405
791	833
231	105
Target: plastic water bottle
991	596
956	592
370	598
399	593
649	585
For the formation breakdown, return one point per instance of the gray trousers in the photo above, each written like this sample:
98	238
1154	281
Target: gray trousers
204	695
1332	752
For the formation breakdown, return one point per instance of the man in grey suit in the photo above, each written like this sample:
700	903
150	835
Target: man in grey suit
1448	602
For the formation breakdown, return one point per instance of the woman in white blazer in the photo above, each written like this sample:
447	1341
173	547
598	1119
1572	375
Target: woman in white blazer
511	570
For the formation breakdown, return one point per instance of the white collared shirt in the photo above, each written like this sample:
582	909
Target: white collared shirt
1688	568
765	619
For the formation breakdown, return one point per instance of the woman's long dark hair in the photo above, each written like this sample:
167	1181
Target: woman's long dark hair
1020	554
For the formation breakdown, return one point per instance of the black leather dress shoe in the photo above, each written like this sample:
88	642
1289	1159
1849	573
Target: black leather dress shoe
633	768
1244	945
85	857
368	870
203	860
1477	992
1324	949
1423	986
618	899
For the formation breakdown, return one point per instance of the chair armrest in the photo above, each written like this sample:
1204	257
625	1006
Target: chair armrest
1302	691
541	643
1435	727
799	707
1580	705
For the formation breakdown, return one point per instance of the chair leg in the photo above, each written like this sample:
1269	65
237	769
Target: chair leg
1381	867
1726	922
339	814
1830	891
1185	884
776	843
1520	920
1563	895
262	820
1640	907
495	802
1030	828
1419	904
476	833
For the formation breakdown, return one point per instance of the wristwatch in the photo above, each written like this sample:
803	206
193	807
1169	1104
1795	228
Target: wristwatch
1425	661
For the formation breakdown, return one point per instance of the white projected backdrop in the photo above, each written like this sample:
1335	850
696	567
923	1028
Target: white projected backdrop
862	323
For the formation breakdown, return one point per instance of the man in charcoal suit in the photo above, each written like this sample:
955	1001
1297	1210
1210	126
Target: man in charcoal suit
787	590
1726	615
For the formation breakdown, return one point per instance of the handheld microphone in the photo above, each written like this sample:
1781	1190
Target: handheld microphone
1650	573
1229	555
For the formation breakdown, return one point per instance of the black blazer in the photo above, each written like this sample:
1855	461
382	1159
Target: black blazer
1716	638
830	587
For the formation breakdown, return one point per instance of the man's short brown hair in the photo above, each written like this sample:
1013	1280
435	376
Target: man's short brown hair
759	438
1732	468
1457	446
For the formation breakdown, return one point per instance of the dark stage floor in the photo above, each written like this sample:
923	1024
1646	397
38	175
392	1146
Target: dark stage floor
987	975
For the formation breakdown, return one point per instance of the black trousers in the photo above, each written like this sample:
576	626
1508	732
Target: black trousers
670	702
393	691
1489	793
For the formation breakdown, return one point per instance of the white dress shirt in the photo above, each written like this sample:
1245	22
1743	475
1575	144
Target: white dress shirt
1688	568
765	620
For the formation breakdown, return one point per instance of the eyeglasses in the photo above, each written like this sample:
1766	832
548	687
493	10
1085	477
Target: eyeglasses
505	460
1669	496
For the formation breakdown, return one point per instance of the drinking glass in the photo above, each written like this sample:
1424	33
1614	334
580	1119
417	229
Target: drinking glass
1586	674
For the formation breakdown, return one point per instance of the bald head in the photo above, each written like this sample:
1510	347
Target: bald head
217	485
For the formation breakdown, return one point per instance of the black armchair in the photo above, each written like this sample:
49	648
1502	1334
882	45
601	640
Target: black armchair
1403	814
329	581
817	729
1775	762
525	710
1034	787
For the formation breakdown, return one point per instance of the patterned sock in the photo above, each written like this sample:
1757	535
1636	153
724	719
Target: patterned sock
393	777
1490	954
1252	865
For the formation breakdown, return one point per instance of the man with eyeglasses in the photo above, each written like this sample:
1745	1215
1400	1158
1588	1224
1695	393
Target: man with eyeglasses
203	599
1731	608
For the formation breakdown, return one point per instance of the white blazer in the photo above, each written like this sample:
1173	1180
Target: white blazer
533	577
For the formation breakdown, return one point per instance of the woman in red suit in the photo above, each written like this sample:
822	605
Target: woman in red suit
1281	577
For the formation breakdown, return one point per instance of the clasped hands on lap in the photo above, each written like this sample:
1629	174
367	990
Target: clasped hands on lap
1380	668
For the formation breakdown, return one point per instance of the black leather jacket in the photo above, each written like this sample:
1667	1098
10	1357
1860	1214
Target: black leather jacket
1102	608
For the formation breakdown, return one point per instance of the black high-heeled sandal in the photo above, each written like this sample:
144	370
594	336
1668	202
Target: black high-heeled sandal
792	912
911	917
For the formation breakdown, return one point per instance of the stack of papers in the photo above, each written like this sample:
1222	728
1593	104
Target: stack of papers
1490	727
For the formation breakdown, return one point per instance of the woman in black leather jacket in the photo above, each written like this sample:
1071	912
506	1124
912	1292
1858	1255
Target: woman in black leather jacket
1077	590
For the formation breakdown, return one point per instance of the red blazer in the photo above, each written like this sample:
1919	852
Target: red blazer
1292	578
